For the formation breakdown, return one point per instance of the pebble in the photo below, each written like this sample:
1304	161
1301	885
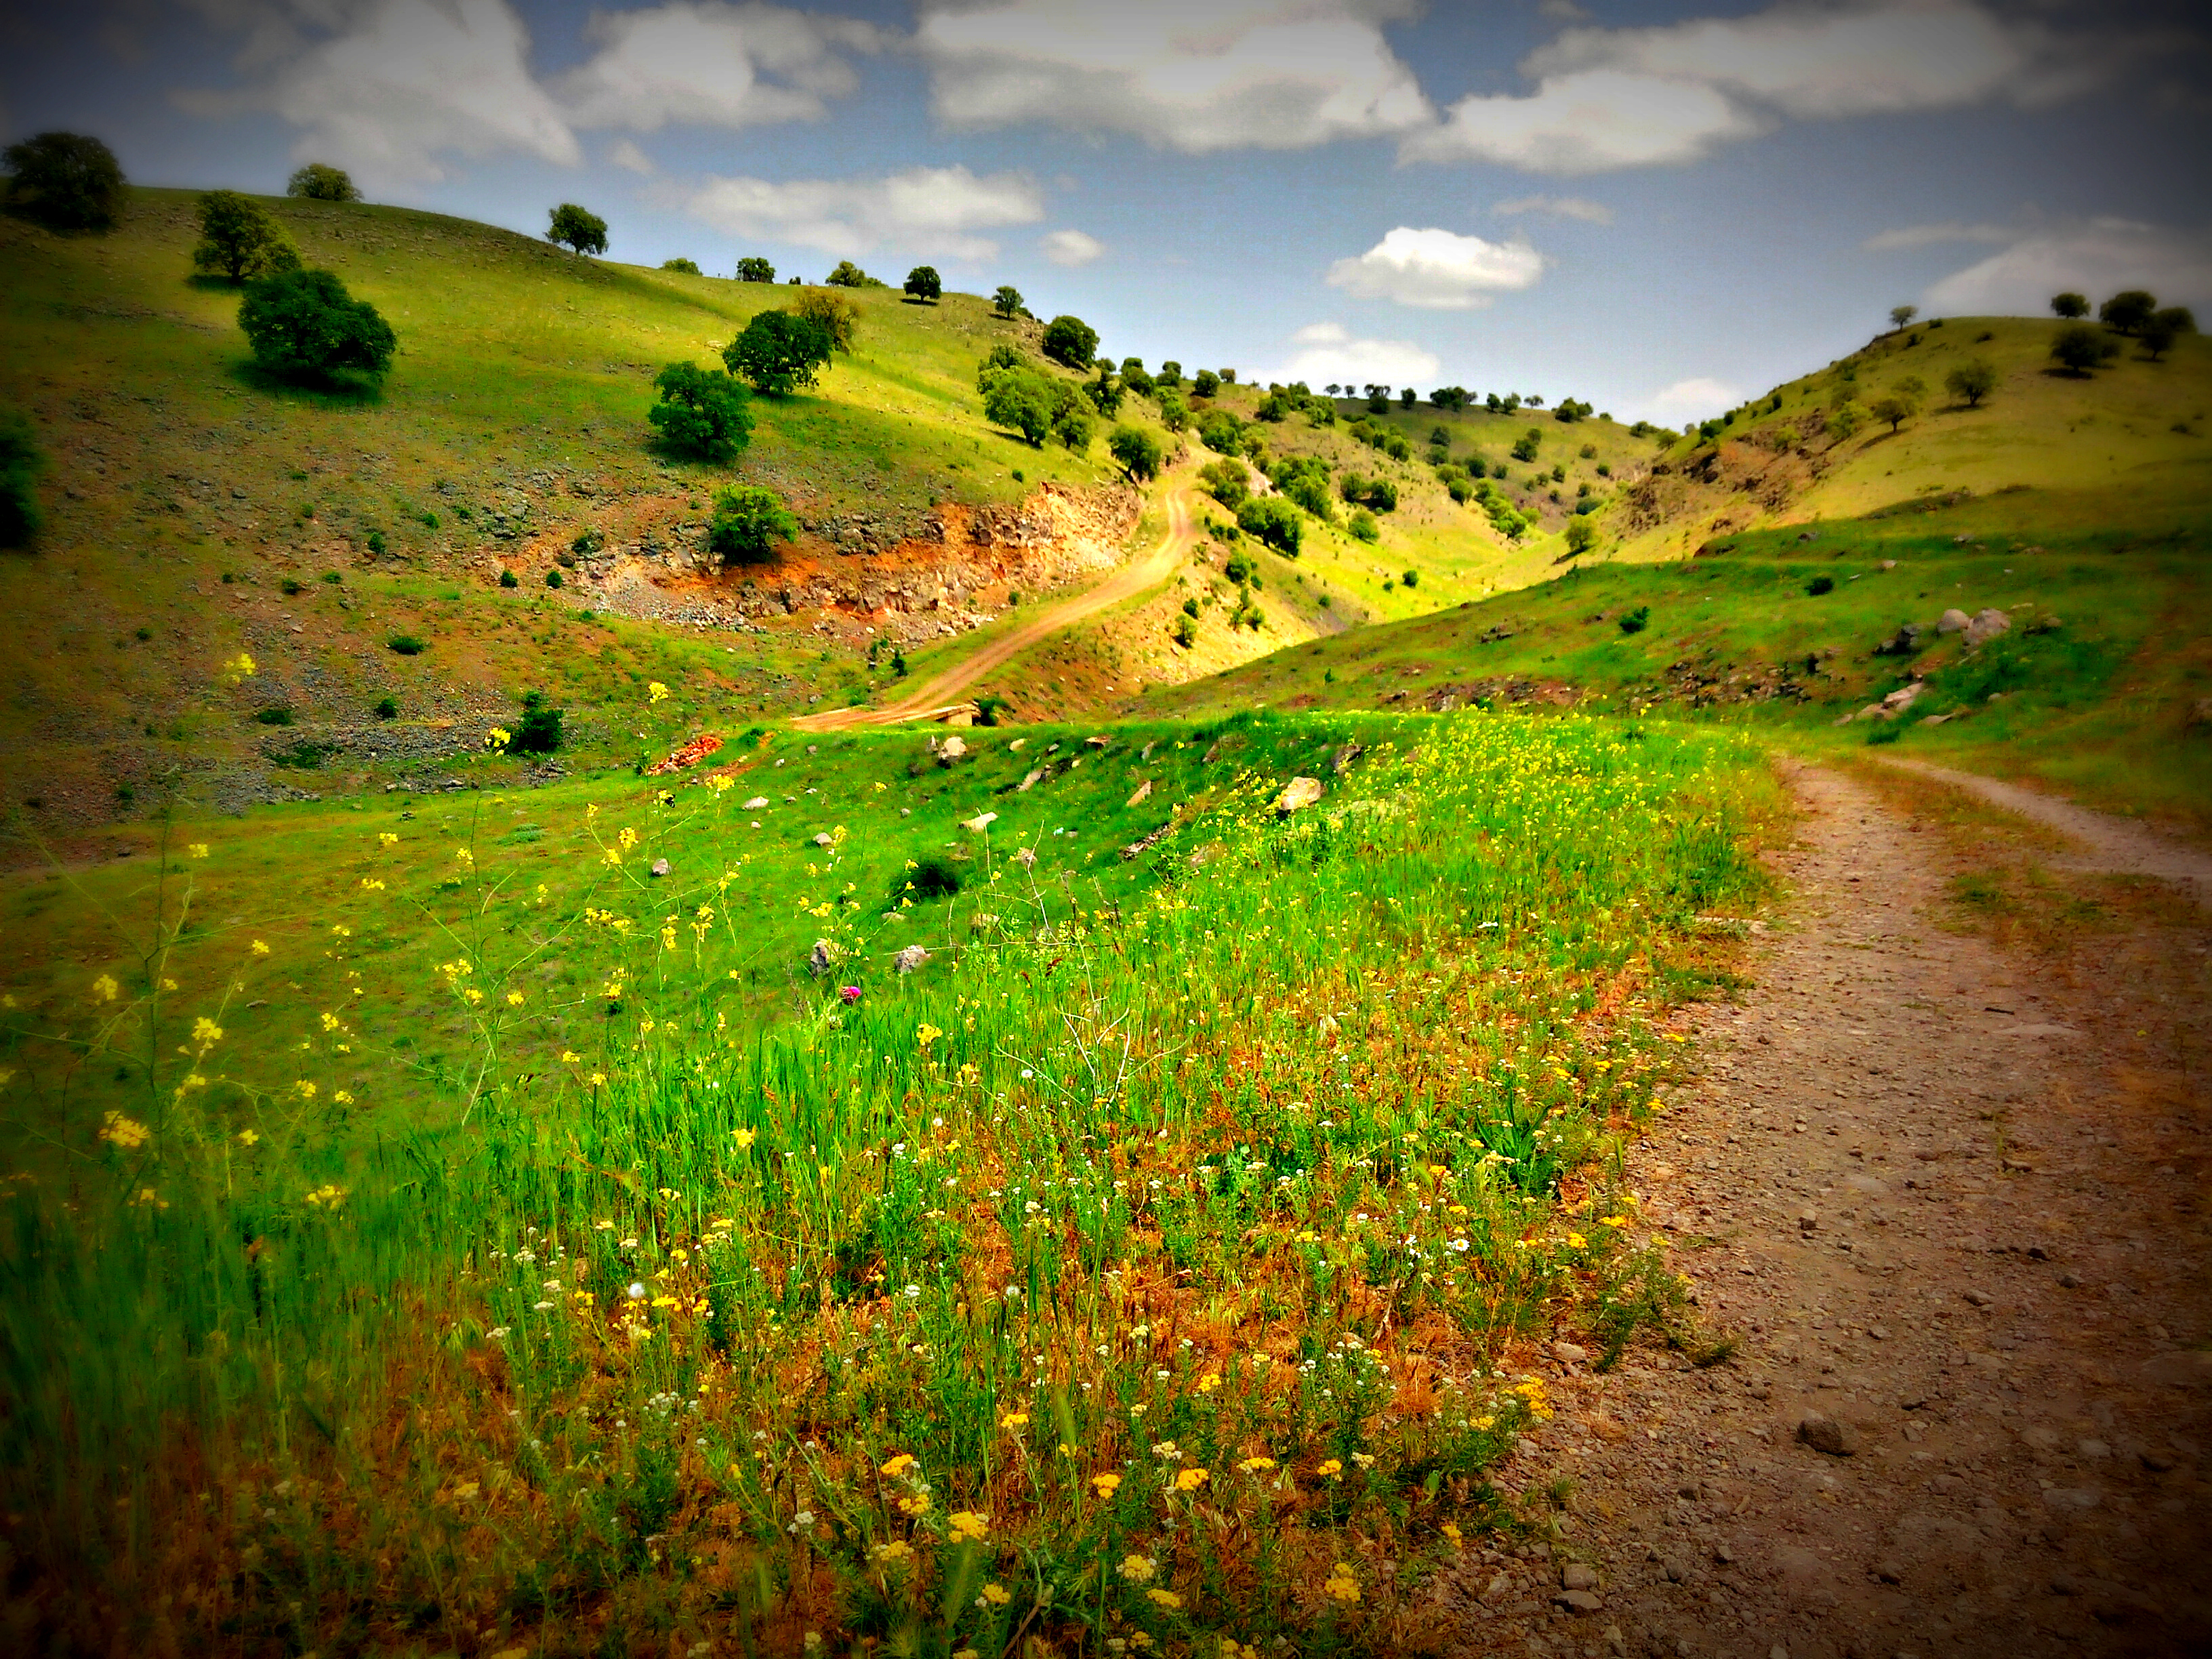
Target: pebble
1579	1576
1579	1600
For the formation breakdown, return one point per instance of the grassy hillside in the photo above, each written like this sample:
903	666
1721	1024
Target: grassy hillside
2103	686
2127	444
197	509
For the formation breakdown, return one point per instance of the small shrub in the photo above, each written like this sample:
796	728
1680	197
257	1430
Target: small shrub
1184	630
589	540
508	578
1886	731
553	577
1820	585
385	709
932	877
336	579
277	715
404	645
1636	620
987	709
1412	579
376	543
538	731
290	585
1190	607
21	463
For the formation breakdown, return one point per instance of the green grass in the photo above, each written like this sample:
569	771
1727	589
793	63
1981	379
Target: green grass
1276	1150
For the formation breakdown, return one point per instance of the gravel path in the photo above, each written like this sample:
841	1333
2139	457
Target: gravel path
1950	1201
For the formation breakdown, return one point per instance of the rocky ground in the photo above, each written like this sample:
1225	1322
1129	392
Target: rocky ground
1950	1200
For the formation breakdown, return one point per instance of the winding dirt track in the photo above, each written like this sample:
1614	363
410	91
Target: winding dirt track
953	684
1950	1197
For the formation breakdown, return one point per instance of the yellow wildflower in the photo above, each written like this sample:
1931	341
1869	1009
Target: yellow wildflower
926	1034
126	1132
1613	1221
1138	1568
1191	1479
198	849
105	989
1167	1599
963	1524
249	1136
744	1138
1342	1584
899	1465
997	1595
1330	1470
1209	1383
1013	1420
386	838
1106	1485
1255	1466
260	949
656	692
897	1550
514	999
1577	1242
568	1056
1451	1530
206	1033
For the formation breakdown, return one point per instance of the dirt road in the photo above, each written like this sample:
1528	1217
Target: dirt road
1951	1202
954	684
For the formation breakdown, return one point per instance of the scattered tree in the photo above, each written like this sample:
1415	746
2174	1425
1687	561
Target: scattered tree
1525	447
1407	397
1007	301
1895	407
1206	384
2165	327
1104	392
303	323
779	352
834	314
21	463
1971	381
1845	423
1021	398
747	520
922	283
1226	482
681	267
1170	374
2069	305
754	268
1362	526
702	411
318	181
1072	342
1900	315
1581	535
1137	450
849	275
1273	520
238	239
578	230
2079	348
1175	413
66	181
1074	425
2127	312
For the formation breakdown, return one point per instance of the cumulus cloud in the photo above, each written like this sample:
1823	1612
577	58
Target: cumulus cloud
1636	97
1328	353
1192	74
629	158
2097	259
1696	399
1910	236
1559	207
1438	270
927	210
1071	247
714	64
396	85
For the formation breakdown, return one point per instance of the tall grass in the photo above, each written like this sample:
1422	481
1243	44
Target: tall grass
1142	1271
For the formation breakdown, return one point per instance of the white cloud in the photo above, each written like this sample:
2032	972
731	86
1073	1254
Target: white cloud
1194	75
1559	207
1696	399
1638	97
391	87
1327	353
2097	259
1071	247
928	211
1437	270
714	64
625	155
1910	236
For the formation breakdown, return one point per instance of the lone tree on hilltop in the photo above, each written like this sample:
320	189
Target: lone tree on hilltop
318	181
922	283
304	324
1900	315
2079	348
66	181
747	520
21	462
754	268
577	229
238	239
2127	312
1007	301
2070	305
1971	381
779	352
1072	342
702	411
681	266
834	314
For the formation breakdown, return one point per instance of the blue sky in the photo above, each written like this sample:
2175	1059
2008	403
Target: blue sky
1657	208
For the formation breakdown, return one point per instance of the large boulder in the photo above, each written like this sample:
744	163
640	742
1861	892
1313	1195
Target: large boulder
1954	621
1987	624
1298	792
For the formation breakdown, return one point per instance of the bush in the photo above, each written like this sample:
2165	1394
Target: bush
21	463
1886	731
588	540
780	352
1820	585
1363	526
375	543
1184	630
1636	620
277	715
1015	394
1525	448
1072	342
747	520
702	411
1272	521
318	181
1411	578
1226	482
238	239
507	579
385	709
681	267
66	181
405	645
933	876
304	324
538	730
553	577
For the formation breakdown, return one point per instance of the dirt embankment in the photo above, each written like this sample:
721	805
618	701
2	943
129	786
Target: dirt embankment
953	569
1735	482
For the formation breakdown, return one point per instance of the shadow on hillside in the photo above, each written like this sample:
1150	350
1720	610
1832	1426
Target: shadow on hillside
339	391
208	283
